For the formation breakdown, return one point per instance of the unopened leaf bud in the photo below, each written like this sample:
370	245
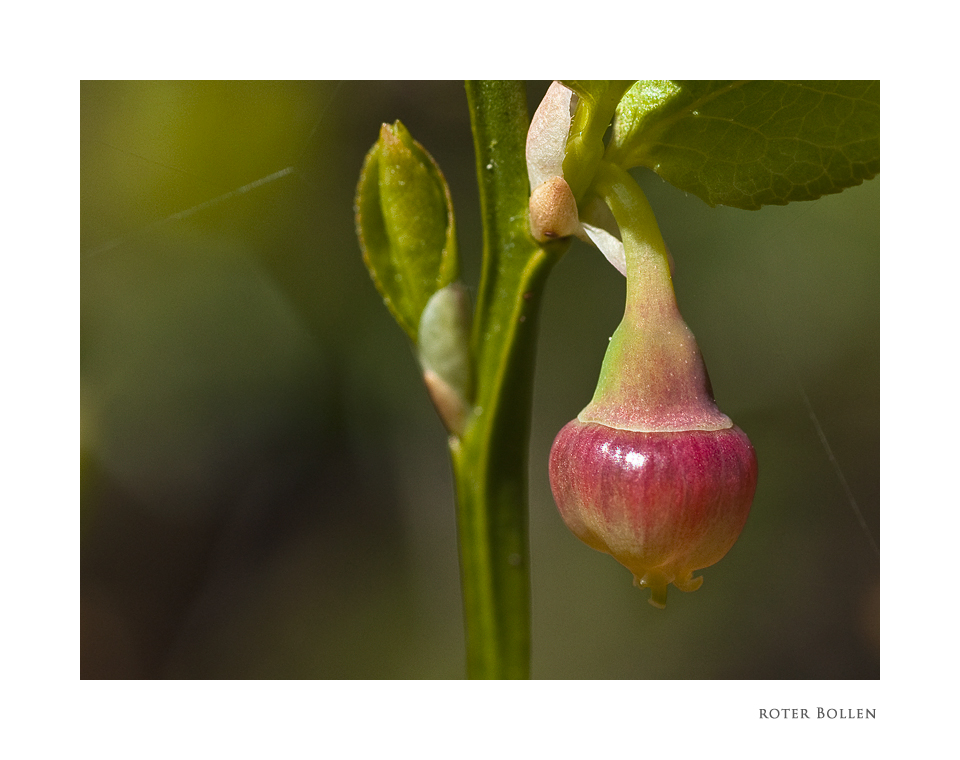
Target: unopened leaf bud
405	224
443	348
553	211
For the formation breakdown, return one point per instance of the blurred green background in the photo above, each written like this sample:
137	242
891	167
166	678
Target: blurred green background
265	486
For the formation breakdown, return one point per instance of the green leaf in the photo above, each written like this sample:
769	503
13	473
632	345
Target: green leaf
405	225
749	144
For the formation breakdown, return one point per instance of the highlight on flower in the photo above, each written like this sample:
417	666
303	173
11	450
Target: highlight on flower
664	505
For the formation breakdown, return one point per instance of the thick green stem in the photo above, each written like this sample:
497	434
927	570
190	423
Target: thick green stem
490	458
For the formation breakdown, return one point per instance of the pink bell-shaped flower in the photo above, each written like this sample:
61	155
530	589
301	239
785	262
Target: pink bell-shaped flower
651	471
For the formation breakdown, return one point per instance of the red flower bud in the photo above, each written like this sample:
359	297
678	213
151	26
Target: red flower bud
651	471
662	504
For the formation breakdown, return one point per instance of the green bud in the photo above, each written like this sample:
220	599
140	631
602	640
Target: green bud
405	225
443	347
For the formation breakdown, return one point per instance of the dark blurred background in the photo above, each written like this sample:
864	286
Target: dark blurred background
265	486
